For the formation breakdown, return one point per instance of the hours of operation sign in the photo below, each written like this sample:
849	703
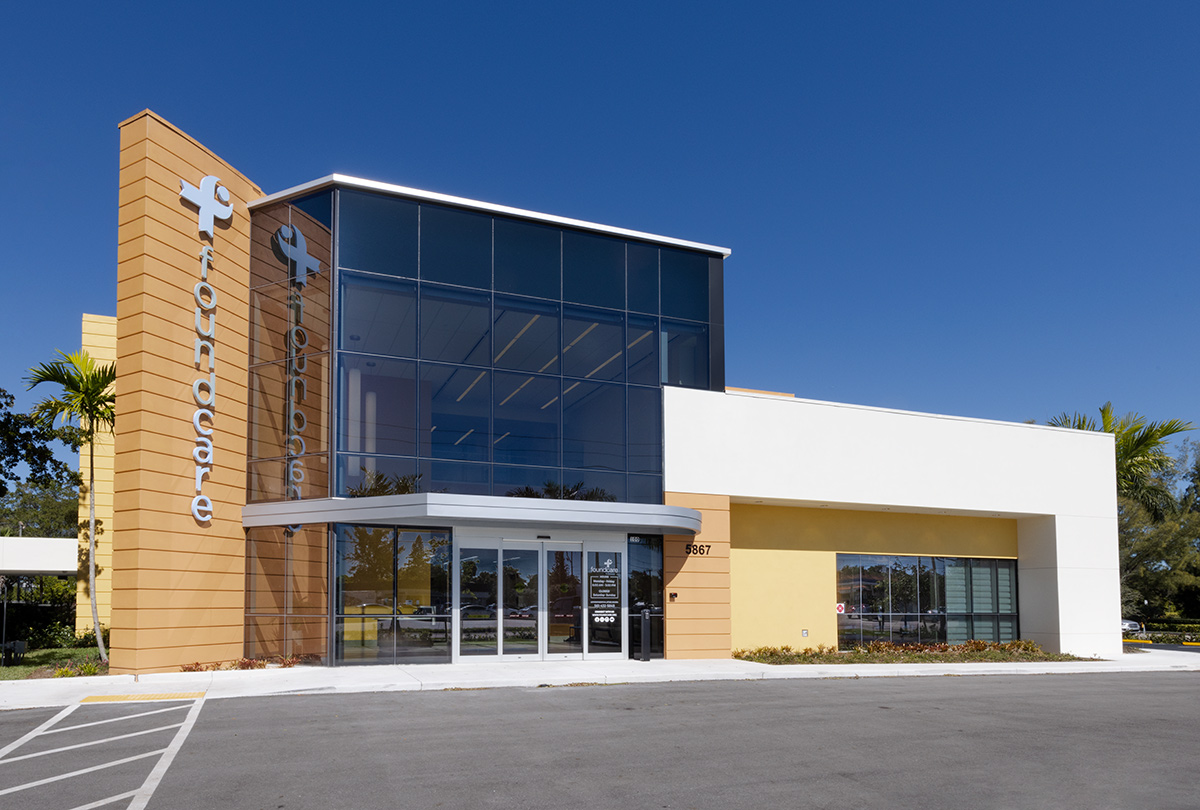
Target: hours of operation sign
604	594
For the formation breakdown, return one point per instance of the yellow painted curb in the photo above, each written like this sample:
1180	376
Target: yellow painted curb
1191	643
1136	641
154	696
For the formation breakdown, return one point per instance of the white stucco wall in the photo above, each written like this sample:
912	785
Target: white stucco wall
1059	484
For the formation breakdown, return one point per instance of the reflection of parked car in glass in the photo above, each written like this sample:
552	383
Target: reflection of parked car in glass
1130	626
476	612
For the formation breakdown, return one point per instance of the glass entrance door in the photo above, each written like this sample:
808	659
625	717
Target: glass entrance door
546	600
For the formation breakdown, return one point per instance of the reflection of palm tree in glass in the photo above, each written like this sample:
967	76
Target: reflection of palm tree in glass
570	492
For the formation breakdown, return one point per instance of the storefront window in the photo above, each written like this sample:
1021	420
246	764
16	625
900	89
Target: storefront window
927	599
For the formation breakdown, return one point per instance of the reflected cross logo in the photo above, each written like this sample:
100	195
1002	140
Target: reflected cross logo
294	246
211	198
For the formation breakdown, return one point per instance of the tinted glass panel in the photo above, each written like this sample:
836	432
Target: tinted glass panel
1006	586
904	585
456	246
318	206
849	631
684	284
478	589
366	476
520	614
379	413
983	593
526	335
593	270
528	259
423	573
526	482
643	278
593	485
645	430
958	586
645	589
377	234
645	368
526	420
848	590
456	406
461	478
594	426
593	344
644	489
564	601
365	577
687	354
454	325
378	316
269	323
930	587
875	583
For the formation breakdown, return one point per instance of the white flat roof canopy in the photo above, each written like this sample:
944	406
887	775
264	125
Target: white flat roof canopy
433	196
443	509
49	556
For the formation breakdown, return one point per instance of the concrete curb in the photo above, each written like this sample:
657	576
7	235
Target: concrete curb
441	677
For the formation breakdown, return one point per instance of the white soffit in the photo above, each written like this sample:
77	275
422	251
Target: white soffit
433	196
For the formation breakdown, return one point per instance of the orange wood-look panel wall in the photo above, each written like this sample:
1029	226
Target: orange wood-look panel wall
178	584
100	341
698	621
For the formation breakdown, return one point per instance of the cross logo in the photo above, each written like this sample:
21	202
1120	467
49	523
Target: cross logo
294	247
211	198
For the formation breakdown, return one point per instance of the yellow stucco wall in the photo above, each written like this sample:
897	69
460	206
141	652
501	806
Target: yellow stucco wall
100	341
783	562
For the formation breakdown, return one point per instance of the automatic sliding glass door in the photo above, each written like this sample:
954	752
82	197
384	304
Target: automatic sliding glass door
563	601
541	600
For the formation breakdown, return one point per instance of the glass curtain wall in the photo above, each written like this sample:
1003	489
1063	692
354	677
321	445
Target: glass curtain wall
392	596
926	600
488	355
287	592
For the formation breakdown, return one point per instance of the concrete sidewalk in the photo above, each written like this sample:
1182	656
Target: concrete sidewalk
474	675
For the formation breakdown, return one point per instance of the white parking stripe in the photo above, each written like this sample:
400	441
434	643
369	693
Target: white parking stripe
81	772
116	719
151	784
88	744
12	746
109	800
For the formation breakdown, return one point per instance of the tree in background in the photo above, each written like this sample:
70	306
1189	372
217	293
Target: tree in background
87	399
1142	457
1160	562
40	510
26	446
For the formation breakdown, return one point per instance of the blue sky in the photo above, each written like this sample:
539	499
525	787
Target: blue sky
982	209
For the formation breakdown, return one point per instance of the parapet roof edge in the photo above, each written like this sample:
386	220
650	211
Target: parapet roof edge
433	196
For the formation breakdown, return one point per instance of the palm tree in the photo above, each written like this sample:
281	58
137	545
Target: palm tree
1141	454
87	398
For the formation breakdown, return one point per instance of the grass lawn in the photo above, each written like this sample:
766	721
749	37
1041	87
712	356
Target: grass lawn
43	663
883	652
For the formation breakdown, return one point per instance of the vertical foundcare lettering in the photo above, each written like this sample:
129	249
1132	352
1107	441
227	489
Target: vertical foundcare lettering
204	389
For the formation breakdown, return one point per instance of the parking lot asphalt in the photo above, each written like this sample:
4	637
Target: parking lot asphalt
1116	740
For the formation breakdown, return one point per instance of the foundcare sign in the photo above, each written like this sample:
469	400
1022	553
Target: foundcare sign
212	203
604	591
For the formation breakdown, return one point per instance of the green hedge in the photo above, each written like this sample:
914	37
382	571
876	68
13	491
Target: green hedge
1173	626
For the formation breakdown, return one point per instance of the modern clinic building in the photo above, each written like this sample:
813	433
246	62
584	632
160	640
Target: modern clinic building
367	424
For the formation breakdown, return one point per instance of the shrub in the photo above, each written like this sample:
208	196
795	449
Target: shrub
250	663
195	666
88	638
